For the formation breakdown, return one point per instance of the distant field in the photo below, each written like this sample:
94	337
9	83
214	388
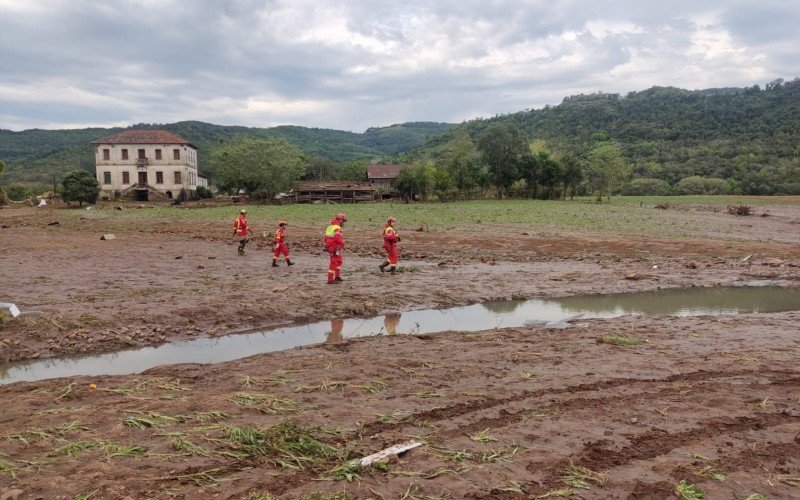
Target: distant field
635	216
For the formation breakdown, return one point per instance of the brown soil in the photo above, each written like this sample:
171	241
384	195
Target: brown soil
702	396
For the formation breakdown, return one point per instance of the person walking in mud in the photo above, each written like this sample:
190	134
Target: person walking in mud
280	245
241	230
334	245
390	240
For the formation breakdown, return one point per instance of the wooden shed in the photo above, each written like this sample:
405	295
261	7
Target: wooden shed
333	192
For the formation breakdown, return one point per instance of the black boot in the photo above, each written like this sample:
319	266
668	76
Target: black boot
274	263
391	270
289	262
382	267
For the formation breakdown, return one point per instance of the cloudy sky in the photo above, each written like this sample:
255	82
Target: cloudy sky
355	64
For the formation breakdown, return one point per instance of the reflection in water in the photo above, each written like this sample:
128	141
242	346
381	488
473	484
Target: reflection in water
681	302
390	322
335	335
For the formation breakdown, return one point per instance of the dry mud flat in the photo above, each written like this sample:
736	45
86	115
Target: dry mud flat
622	408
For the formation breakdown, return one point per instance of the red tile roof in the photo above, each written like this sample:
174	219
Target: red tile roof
139	136
383	171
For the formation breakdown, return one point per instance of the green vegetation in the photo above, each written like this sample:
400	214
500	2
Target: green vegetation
80	186
689	491
262	168
744	137
44	156
629	216
653	142
621	340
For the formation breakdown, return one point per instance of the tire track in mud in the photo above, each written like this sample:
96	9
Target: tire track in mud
462	409
655	443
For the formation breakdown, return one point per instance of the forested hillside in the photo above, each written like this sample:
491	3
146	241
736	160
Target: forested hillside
37	156
749	136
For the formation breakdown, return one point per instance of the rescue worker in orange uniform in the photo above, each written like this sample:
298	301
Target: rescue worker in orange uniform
280	245
241	230
390	239
334	245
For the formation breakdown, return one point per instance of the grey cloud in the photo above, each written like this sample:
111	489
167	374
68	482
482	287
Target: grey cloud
164	61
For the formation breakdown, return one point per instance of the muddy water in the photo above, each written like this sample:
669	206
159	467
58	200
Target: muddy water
680	302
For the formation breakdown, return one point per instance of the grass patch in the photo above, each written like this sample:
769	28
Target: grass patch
711	473
482	437
580	477
454	455
496	456
394	416
49	434
620	340
268	404
689	491
285	445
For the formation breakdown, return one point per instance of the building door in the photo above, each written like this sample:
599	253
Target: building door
142	179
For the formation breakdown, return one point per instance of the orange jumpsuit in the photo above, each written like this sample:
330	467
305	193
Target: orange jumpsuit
334	244
390	239
241	230
280	245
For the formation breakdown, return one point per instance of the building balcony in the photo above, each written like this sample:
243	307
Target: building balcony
142	162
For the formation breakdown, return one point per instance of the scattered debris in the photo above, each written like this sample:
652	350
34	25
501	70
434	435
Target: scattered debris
559	324
54	223
740	210
691	265
423	228
108	237
772	262
388	453
118	207
42	203
179	257
15	312
663	206
747	258
633	276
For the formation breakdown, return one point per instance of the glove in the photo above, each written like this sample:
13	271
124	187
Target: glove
398	239
234	232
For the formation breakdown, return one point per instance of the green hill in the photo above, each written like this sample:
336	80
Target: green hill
750	135
37	156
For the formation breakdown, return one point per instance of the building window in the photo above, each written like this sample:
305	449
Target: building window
158	154
124	154
106	154
159	177
176	154
178	179
126	178
141	154
106	177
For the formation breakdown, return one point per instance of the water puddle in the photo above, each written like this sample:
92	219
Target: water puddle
678	302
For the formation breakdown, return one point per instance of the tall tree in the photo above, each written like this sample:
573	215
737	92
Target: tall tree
355	170
606	168
81	186
3	198
572	174
463	162
320	168
502	145
263	168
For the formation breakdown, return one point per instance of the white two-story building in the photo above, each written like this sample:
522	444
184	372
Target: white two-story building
141	162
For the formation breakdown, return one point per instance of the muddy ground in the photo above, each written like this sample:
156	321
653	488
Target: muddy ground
714	402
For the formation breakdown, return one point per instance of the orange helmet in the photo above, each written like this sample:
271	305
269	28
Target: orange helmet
391	220
341	217
282	223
